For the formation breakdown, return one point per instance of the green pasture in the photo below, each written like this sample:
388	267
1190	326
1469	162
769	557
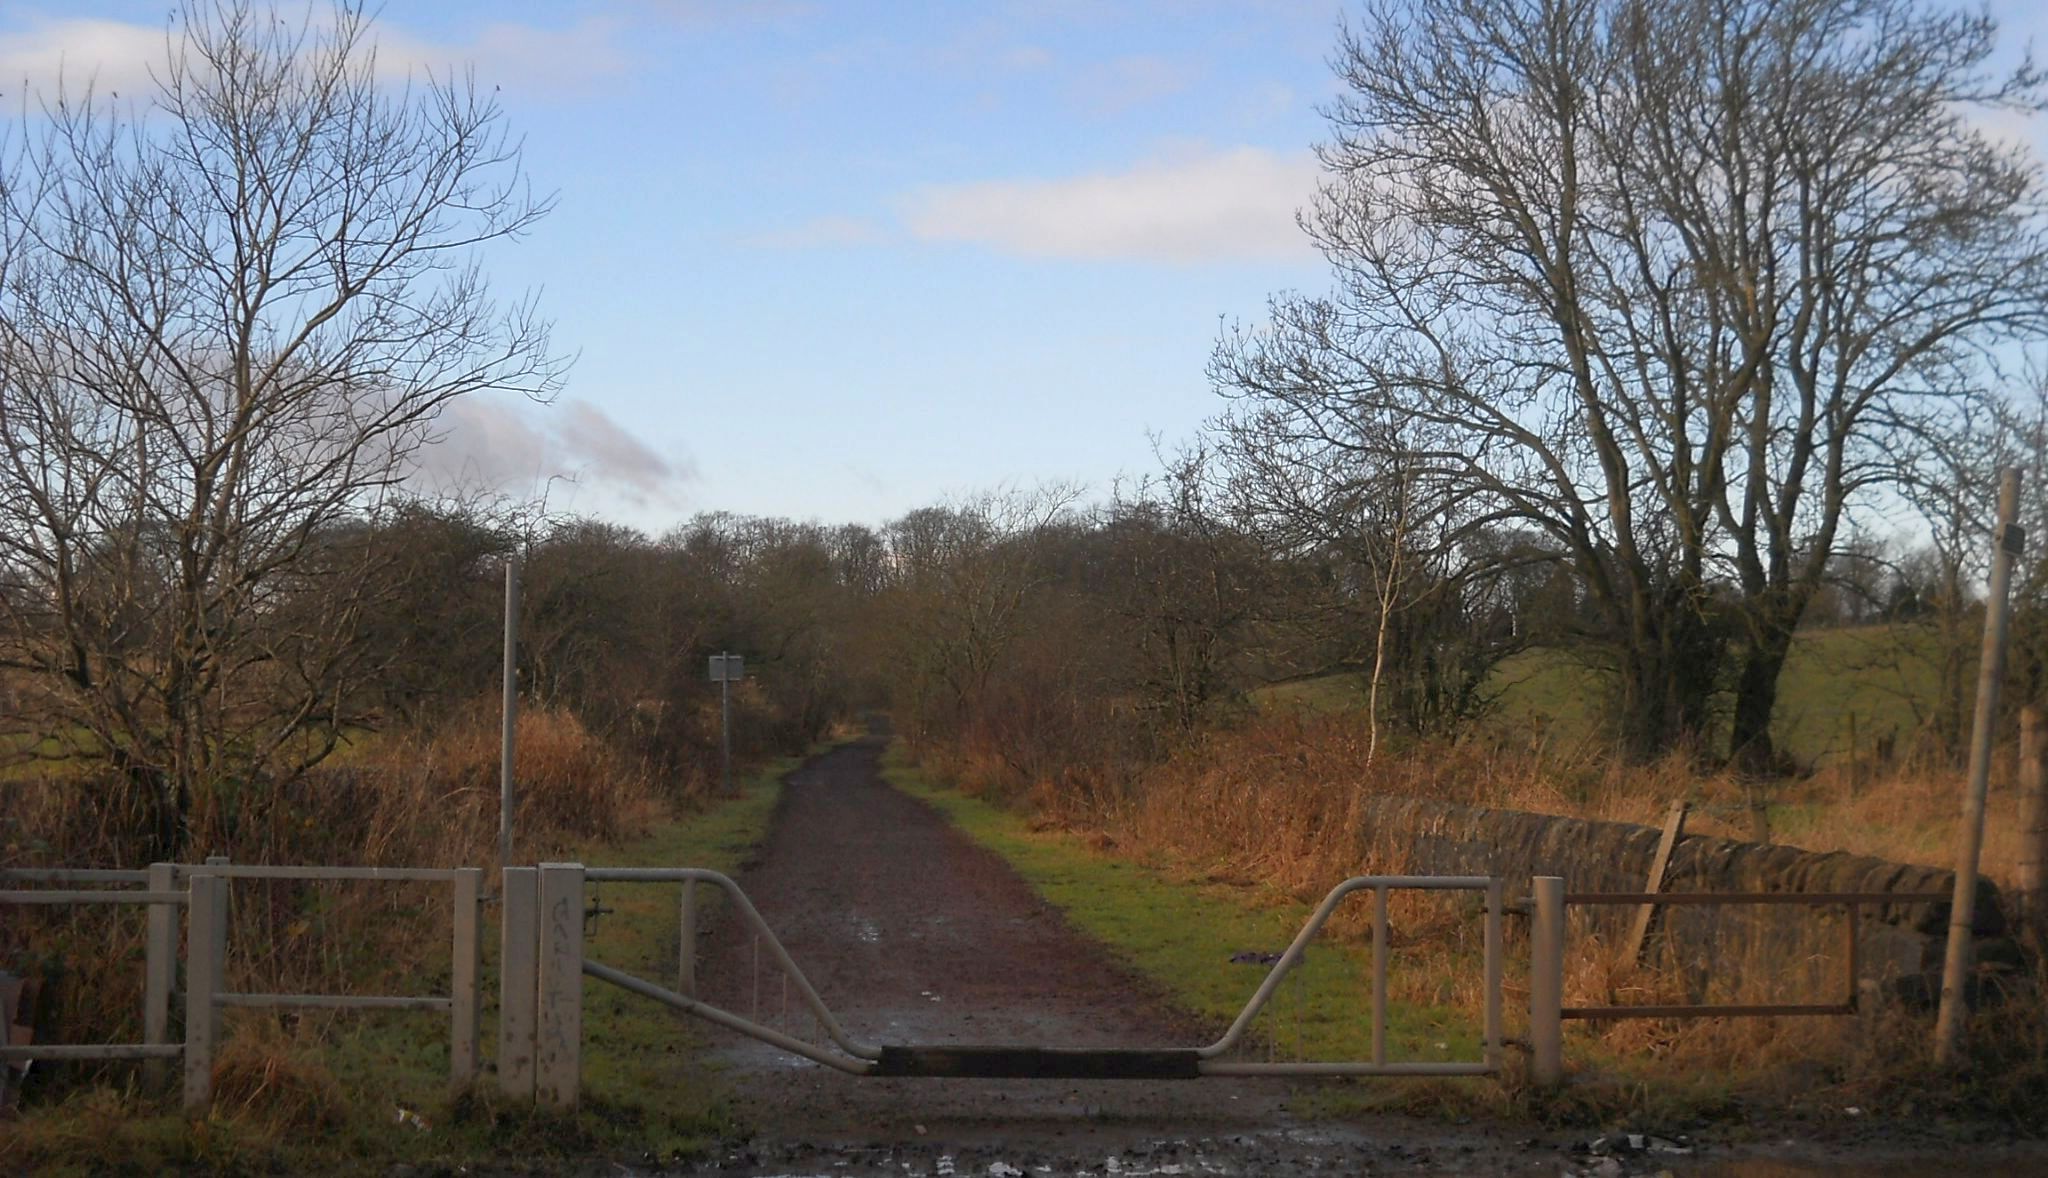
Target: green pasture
1879	681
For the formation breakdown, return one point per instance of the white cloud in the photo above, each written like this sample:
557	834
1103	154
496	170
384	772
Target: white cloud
1197	205
108	55
117	56
500	444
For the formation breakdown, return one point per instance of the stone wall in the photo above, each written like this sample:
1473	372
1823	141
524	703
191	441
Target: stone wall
1899	941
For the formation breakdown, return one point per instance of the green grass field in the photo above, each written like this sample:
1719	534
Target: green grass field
1882	676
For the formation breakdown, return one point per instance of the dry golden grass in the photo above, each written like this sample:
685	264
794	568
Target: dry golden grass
417	801
1276	798
1277	803
267	1072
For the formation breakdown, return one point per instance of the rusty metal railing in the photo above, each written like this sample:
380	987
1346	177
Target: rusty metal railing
1550	903
1852	901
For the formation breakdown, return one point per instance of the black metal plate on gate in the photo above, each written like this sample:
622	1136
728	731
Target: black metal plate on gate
1041	1063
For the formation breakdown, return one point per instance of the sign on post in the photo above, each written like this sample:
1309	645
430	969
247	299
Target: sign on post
728	668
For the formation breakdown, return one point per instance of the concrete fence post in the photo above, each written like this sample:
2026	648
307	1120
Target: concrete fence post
465	1003
160	967
220	937
558	1039
518	981
202	980
1546	981
686	941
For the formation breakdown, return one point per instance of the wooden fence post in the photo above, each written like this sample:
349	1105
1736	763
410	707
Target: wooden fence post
1646	916
1855	760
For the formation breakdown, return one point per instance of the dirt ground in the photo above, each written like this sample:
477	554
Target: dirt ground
914	934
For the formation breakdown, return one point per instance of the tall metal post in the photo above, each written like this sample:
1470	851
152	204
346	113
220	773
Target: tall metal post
725	720
219	904
508	746
1948	1024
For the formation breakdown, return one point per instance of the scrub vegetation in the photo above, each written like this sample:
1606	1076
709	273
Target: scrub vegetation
1642	449
338	1092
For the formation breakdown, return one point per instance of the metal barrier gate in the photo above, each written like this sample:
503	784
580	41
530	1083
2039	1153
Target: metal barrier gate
540	1027
204	899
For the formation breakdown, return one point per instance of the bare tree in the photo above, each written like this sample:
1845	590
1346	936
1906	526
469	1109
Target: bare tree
964	573
1356	492
229	316
1954	491
1680	282
1185	582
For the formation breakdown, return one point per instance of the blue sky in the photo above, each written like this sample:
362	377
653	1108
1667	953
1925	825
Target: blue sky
841	260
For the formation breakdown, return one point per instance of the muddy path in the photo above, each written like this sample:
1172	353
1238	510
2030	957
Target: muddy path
914	934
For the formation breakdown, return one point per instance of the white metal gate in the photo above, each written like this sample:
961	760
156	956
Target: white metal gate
540	1047
204	899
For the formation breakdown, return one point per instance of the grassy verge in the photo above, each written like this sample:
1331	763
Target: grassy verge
334	1093
1182	931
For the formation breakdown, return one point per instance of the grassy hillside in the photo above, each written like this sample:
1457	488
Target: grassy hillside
1883	676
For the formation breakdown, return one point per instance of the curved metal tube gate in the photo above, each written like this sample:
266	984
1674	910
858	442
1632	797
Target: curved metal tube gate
541	1026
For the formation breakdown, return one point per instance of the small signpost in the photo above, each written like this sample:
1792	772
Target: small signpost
726	669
